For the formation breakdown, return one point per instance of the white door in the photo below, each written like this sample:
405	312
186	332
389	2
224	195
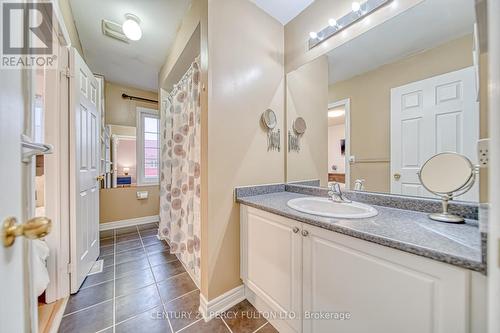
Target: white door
84	170
439	114
18	302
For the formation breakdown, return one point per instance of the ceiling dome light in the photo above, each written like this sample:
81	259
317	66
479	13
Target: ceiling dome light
355	6
332	22
131	27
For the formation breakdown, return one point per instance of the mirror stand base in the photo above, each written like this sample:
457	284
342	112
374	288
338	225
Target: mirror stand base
446	217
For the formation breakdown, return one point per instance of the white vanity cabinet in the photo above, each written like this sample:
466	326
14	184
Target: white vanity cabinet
291	267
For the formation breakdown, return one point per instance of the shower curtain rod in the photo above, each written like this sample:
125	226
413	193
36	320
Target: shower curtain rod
139	98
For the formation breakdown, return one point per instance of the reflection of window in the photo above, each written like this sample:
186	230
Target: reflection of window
148	146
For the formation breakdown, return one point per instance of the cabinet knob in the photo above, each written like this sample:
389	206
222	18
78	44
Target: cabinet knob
305	233
296	230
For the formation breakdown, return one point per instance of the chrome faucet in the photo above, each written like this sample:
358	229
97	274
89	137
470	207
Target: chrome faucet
336	194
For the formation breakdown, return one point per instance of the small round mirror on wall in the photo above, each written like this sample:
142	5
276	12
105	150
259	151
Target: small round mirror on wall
268	118
299	126
447	175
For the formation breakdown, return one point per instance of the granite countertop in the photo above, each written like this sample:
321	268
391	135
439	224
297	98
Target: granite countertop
409	231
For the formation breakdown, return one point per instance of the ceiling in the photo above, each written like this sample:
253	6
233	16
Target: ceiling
138	63
283	10
422	27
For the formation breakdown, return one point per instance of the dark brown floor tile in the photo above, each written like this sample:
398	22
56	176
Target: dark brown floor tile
131	267
152	321
131	282
132	255
108	260
90	296
213	326
156	247
107	250
107	274
148	226
126	237
176	286
167	270
268	329
139	301
151	240
184	310
149	232
106	234
243	318
89	320
127	246
126	230
161	258
107	241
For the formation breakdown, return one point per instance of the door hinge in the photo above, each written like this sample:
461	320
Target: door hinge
67	72
70	268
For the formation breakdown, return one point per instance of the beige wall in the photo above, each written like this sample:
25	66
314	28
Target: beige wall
116	204
195	18
370	104
307	97
316	16
244	80
121	111
69	22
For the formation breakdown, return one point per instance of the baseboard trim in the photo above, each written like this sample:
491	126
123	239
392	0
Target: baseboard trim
210	309
264	308
129	222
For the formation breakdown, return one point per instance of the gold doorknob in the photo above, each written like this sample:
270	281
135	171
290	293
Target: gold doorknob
397	176
34	228
99	178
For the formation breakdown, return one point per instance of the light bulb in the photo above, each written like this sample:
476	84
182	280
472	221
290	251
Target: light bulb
313	35
332	22
131	27
356	6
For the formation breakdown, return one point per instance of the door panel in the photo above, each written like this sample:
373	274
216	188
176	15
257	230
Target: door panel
14	300
439	114
84	155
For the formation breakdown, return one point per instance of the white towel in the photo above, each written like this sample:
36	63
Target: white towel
40	254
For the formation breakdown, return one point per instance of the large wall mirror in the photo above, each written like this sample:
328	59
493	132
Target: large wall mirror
378	106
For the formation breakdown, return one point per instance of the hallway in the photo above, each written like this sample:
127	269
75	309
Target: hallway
144	288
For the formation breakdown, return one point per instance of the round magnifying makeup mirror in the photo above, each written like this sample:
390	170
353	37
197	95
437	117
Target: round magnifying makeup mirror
447	175
268	118
299	126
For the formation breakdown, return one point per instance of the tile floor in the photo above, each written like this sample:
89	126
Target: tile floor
144	288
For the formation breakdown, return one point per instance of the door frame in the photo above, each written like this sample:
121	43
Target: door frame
346	103
494	178
57	170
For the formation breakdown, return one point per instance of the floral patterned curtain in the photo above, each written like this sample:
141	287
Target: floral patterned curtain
180	170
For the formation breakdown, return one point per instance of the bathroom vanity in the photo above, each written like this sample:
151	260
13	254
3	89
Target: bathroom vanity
395	272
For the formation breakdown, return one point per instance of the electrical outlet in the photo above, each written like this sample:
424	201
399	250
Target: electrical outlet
483	153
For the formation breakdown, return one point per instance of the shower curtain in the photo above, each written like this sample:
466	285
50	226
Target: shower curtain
180	170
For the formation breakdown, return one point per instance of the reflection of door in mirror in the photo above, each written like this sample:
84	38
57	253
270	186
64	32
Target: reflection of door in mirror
338	166
431	116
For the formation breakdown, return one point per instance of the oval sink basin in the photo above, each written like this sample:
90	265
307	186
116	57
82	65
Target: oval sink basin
328	208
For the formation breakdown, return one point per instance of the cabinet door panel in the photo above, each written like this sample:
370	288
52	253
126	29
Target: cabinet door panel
274	258
384	290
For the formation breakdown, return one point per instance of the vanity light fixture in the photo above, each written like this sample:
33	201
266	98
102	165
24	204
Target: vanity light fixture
131	27
356	7
359	11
